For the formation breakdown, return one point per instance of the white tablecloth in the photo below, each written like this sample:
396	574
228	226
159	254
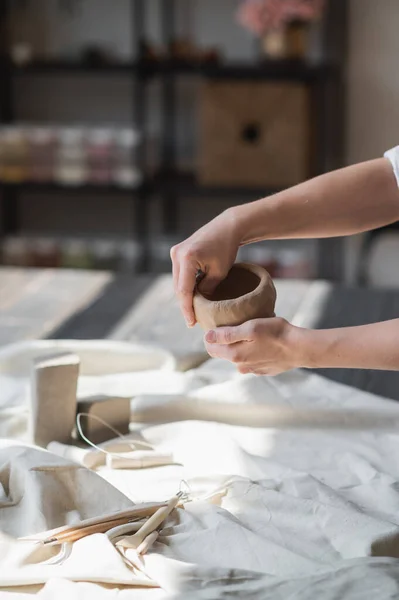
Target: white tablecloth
304	475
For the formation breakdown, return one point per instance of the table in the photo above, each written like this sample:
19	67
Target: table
45	303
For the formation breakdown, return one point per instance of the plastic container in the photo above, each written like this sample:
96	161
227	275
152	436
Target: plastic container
42	147
130	256
2	153
45	253
71	162
15	167
126	173
75	254
100	153
294	264
160	253
105	255
15	251
264	257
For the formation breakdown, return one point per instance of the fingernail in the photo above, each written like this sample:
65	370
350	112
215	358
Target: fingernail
190	323
210	336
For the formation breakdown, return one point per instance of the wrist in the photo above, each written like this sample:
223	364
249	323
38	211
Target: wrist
305	348
236	223
258	220
317	349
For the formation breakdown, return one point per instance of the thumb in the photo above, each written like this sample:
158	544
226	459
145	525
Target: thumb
226	335
208	285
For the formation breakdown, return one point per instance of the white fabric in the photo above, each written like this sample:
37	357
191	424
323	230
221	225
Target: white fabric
303	476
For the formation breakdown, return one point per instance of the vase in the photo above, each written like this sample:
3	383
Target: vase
274	44
297	39
246	293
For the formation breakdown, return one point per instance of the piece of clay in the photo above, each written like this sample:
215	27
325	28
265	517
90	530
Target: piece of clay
53	411
114	411
246	293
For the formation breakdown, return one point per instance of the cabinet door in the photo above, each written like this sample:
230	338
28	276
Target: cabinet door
254	134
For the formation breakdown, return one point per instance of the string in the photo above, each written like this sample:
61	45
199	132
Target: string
120	435
185	494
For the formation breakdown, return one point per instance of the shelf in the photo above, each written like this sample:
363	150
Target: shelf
180	183
289	70
271	69
68	67
183	183
59	188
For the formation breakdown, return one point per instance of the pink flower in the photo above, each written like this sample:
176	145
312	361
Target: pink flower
260	16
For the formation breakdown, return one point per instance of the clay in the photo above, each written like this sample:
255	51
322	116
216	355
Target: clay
112	410
53	410
246	293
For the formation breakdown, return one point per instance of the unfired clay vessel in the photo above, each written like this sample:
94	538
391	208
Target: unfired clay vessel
247	293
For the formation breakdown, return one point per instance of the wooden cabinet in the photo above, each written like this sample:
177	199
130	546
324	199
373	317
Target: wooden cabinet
254	133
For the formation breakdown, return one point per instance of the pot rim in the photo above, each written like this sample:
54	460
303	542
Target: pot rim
255	269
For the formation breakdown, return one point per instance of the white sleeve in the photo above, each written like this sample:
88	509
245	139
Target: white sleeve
393	156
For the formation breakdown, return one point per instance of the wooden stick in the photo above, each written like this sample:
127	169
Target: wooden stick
148	542
85	531
119	531
140	510
134	541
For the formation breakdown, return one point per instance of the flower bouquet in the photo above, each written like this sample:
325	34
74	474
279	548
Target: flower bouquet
282	25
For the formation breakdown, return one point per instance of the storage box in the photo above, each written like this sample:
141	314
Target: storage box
254	134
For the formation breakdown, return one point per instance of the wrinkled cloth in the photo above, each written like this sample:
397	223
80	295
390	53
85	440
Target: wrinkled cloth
293	482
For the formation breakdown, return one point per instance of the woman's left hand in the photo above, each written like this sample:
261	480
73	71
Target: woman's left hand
262	346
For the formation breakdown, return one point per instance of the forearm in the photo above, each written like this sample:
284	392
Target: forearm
373	346
343	202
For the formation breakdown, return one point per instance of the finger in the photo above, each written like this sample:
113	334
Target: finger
209	284
175	273
227	335
234	353
175	267
185	291
243	368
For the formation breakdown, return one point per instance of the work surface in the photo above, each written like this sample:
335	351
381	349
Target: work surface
292	482
94	305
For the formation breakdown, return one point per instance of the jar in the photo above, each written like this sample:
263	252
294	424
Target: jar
264	257
293	264
160	252
298	34
14	155
130	256
46	253
2	153
105	255
274	44
126	173
41	154
15	252
71	163
99	156
76	255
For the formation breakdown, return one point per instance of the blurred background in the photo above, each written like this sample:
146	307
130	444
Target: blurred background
126	125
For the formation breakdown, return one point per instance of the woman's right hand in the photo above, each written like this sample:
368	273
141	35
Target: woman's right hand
212	250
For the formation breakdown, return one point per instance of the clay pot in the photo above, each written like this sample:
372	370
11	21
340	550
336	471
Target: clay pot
246	293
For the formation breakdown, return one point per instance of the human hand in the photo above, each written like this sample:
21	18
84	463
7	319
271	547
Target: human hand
261	346
211	250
